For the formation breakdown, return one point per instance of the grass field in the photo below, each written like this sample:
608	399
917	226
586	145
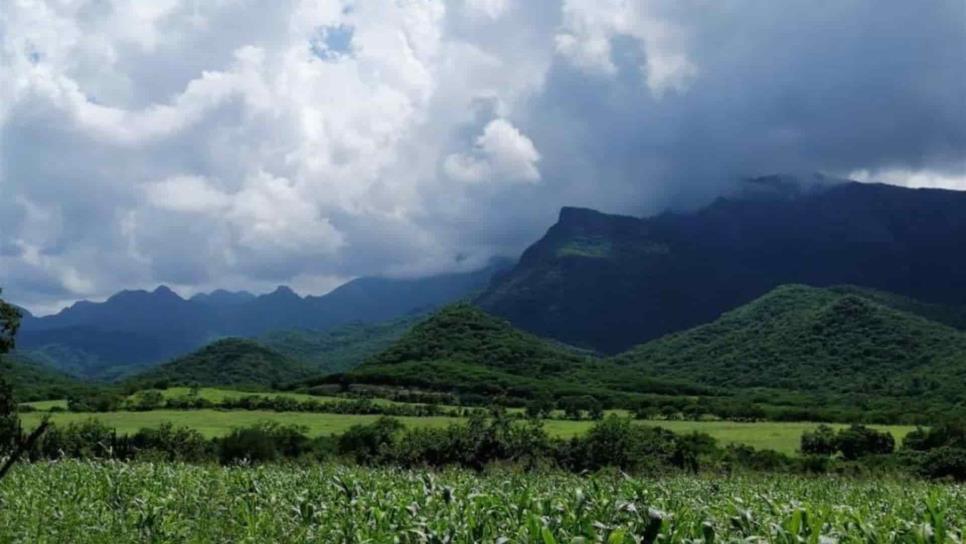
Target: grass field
783	437
212	394
118	503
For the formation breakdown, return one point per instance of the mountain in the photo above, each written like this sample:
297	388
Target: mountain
340	348
223	298
138	328
462	349
32	381
610	282
837	343
231	362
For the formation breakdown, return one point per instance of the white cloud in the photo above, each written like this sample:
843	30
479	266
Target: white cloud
186	194
492	9
927	179
590	26
501	153
247	144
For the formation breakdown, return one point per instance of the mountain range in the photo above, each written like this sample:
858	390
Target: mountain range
842	348
609	282
744	295
135	329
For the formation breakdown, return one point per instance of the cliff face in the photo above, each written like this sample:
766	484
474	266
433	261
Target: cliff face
609	282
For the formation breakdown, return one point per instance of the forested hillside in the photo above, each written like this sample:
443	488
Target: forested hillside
826	343
233	362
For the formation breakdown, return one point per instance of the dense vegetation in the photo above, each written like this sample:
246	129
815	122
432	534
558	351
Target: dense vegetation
461	349
114	503
230	362
829	345
31	381
341	348
610	282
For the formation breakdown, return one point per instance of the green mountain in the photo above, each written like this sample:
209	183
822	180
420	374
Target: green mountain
610	282
341	348
232	362
839	343
32	381
465	350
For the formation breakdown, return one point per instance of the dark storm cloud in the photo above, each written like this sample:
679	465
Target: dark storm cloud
248	145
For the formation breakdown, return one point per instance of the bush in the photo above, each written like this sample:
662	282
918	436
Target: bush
97	401
952	434
264	442
821	441
167	443
944	462
367	443
858	441
88	439
9	423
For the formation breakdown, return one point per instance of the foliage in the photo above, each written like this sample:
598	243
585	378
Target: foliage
98	503
230	362
9	423
341	348
821	441
170	443
32	381
823	344
266	441
852	442
858	440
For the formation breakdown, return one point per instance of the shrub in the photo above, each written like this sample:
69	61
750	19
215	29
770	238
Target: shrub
366	443
88	439
858	441
944	462
263	442
97	401
821	441
172	444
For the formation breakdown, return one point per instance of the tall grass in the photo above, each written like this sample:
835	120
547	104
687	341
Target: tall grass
142	502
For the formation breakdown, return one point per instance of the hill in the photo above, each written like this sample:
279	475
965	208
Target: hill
32	381
611	282
134	329
341	348
231	362
841	344
463	349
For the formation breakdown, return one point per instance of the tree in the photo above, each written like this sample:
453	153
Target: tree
821	441
858	441
9	423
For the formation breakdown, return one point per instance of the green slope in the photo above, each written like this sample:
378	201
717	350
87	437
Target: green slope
837	343
32	381
233	362
341	348
463	349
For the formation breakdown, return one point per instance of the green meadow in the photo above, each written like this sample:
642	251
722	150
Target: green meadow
782	437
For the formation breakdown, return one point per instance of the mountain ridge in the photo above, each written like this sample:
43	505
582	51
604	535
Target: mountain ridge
139	327
610	282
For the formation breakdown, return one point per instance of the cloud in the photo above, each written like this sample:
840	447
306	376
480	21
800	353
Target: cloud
501	152
591	27
247	144
916	179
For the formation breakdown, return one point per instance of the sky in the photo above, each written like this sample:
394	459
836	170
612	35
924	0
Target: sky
245	144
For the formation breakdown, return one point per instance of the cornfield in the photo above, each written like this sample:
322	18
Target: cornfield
80	502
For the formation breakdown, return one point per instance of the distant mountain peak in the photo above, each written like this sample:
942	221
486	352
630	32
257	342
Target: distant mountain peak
164	290
284	291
